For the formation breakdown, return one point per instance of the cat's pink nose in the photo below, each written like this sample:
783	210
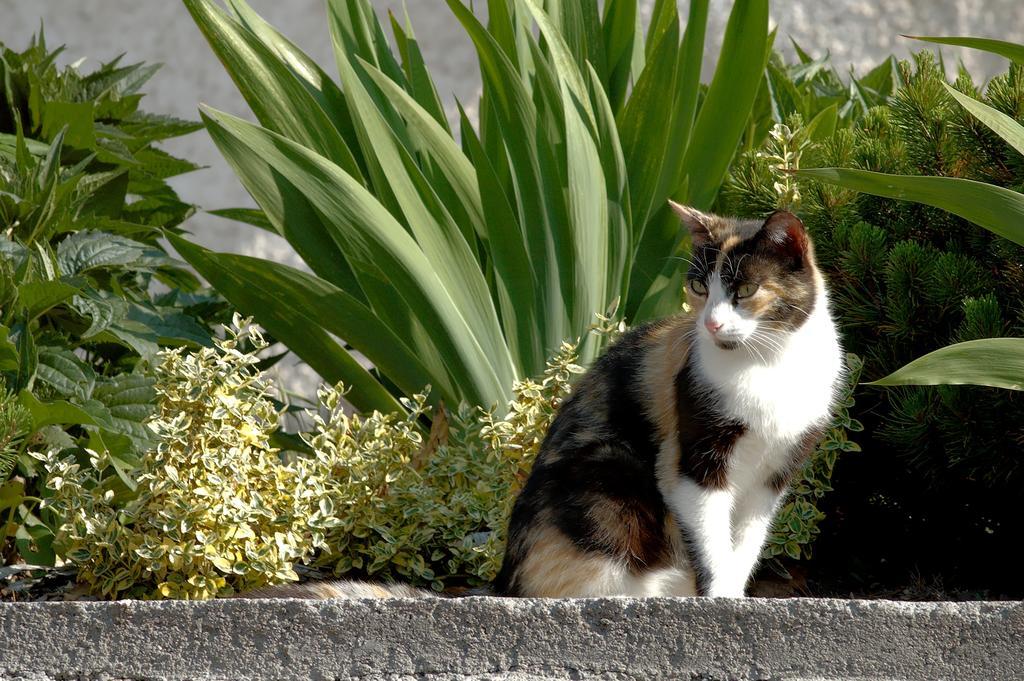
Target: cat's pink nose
712	326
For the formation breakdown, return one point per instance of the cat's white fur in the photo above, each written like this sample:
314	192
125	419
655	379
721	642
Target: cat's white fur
778	390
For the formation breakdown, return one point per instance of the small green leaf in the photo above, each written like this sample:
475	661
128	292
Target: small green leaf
11	494
34	541
8	351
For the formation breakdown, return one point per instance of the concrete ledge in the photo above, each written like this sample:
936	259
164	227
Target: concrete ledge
490	638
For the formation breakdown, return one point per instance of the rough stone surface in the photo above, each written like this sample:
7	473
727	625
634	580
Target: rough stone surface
490	638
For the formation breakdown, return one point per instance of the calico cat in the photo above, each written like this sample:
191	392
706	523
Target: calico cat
663	471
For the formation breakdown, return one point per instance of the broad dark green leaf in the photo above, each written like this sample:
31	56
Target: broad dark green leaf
102	309
41	295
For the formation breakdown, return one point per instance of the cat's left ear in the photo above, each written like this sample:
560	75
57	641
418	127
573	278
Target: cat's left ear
787	233
699	223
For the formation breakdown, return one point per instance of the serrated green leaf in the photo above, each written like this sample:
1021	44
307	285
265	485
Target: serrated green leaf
122	405
169	325
156	127
103	310
87	250
63	371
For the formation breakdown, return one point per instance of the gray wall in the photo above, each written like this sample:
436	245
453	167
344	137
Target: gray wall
856	32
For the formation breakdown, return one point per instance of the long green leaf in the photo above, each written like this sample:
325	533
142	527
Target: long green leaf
378	243
441	241
995	362
529	160
278	99
650	108
613	163
443	150
516	278
291	215
620	31
421	84
691	57
732	91
564	65
1011	51
588	213
311	302
996	209
324	90
1001	124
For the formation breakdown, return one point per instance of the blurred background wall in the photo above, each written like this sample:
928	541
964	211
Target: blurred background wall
854	32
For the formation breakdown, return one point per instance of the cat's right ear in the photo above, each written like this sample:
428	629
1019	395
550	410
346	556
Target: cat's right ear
698	223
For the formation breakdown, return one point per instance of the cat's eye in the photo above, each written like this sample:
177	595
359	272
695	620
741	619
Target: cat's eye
746	290
698	287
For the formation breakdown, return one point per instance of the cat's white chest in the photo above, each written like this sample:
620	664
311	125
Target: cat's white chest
780	399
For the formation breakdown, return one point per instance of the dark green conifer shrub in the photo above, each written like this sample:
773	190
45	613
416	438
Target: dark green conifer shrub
944	462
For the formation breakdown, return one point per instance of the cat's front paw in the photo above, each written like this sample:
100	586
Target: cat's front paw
725	590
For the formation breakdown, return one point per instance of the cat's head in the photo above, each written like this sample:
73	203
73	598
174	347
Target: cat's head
750	281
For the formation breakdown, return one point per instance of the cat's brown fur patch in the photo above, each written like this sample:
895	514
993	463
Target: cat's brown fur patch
554	567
